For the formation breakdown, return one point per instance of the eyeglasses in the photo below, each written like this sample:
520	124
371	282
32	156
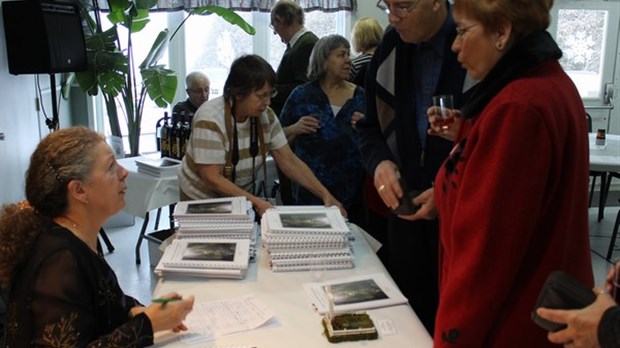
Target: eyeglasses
461	32
400	9
267	95
199	90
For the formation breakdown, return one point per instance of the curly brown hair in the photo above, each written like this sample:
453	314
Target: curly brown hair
60	157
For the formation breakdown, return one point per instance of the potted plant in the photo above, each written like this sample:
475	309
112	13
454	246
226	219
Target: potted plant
112	68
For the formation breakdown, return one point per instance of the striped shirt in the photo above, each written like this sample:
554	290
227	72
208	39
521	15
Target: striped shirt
357	63
209	143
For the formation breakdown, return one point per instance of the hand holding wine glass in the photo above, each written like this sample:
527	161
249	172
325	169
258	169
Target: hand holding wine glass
444	120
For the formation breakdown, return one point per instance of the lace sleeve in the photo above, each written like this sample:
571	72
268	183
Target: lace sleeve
74	304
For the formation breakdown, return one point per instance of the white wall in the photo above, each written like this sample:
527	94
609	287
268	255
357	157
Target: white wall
369	8
22	123
18	122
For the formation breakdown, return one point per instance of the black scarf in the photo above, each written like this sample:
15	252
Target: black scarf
533	49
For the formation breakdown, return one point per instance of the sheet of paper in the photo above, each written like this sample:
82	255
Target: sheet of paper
209	320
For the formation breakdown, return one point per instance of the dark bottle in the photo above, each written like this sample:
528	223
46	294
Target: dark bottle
172	136
164	136
175	141
185	132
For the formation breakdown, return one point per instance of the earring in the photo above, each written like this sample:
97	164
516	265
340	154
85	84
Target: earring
499	45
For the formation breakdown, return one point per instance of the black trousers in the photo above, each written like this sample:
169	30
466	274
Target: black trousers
413	264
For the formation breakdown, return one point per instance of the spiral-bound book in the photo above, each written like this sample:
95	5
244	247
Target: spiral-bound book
319	220
355	293
307	264
292	254
299	241
207	254
222	209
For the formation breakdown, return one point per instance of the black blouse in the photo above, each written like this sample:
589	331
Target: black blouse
65	295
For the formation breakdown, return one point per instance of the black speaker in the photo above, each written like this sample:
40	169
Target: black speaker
43	37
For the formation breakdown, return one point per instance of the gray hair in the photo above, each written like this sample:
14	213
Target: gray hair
320	52
288	12
193	76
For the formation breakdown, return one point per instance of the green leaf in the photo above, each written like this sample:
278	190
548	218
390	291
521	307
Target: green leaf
227	14
160	45
161	84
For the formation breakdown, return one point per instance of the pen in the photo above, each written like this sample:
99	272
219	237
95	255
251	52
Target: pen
165	300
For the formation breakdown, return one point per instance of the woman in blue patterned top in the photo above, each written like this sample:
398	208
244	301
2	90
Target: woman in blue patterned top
319	120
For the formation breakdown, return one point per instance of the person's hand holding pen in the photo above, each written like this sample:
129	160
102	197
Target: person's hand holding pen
169	311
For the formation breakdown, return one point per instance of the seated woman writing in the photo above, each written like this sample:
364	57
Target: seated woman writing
62	293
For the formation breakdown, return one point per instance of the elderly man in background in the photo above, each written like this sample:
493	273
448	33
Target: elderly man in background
197	86
287	21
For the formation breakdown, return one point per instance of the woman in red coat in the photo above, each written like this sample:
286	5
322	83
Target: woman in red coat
512	196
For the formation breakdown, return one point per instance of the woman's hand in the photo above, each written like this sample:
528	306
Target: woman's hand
306	125
170	315
356	117
331	201
427	209
261	205
438	127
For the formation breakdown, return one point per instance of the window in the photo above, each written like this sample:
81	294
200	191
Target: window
581	34
210	44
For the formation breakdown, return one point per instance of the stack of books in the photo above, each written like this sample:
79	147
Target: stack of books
158	167
212	258
215	238
228	217
305	239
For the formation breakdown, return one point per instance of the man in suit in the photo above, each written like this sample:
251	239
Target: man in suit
287	21
413	62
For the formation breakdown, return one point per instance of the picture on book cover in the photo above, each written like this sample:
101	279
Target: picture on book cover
224	207
359	291
354	293
210	251
305	220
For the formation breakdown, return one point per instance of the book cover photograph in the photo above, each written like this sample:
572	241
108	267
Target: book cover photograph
212	208
210	251
207	253
326	221
355	294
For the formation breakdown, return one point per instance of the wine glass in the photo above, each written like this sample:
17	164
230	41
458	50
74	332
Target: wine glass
445	103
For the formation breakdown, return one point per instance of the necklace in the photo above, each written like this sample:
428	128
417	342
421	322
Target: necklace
78	231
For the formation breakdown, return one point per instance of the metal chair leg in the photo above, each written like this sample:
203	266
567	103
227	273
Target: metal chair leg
106	240
614	234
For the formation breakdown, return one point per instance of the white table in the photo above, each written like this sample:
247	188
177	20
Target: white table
146	193
604	160
296	325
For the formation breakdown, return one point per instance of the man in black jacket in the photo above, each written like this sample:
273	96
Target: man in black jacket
287	20
412	63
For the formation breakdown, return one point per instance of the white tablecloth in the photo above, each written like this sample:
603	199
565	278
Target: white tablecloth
147	192
296	325
607	159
